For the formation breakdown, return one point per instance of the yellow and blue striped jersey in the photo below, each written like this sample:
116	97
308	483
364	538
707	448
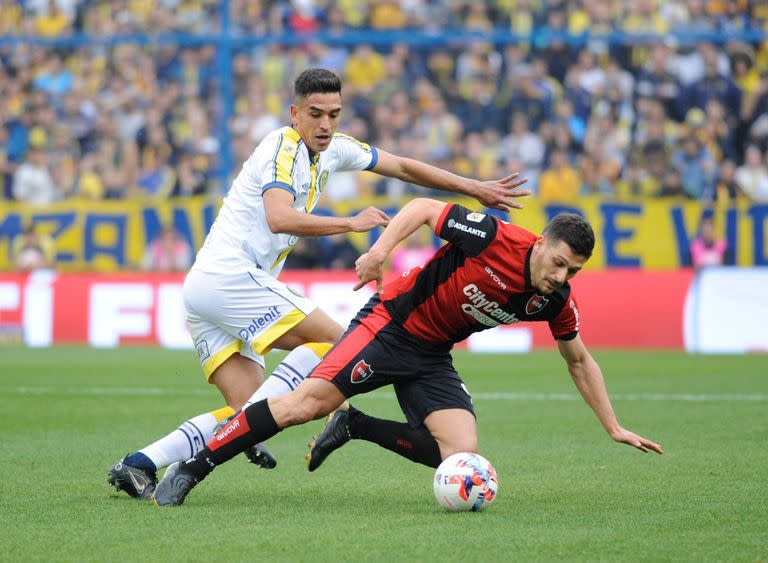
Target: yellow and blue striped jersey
281	161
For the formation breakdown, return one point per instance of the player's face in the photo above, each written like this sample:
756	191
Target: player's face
316	118
552	264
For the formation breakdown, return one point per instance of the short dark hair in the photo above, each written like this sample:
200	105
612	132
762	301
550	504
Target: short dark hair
316	81
573	230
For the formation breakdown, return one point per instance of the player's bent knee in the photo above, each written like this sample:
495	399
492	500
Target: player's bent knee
334	334
237	378
319	327
328	333
464	444
454	430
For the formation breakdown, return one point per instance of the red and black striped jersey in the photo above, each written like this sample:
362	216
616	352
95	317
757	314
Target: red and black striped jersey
481	279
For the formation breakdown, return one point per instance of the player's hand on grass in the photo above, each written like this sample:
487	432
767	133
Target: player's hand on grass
624	436
501	194
368	219
370	267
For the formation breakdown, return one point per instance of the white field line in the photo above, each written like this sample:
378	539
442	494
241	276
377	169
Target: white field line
501	396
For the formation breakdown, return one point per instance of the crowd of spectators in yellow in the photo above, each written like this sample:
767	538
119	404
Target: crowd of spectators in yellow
662	116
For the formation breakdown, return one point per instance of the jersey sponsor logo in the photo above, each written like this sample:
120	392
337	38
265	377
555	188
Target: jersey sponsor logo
483	310
478	316
231	427
202	350
475	217
467	229
361	371
259	323
536	304
495	278
575	310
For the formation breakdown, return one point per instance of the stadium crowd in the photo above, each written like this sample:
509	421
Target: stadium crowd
654	117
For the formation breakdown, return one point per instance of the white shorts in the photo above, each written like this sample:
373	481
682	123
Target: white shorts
240	312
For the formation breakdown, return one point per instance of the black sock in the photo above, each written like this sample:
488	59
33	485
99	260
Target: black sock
251	426
417	445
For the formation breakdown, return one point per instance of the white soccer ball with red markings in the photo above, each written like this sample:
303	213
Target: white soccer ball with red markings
465	482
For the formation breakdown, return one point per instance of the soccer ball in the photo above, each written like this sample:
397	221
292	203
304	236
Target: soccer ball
464	482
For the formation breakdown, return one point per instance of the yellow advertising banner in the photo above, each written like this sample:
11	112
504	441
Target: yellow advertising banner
104	236
654	234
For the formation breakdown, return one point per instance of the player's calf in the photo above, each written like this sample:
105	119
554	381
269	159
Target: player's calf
453	429
314	398
459	445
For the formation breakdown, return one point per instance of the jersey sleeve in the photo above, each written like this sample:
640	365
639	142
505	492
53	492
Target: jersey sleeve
278	173
472	232
352	154
565	326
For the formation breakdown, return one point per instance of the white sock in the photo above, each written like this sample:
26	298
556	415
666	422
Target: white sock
186	440
195	433
296	366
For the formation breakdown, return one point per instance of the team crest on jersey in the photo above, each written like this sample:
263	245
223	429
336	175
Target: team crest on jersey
475	217
361	371
323	180
536	304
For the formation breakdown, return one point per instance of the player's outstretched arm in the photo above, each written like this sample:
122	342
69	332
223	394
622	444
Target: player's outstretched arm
589	380
497	194
414	214
283	218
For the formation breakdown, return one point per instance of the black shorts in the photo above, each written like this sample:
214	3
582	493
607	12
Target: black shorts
375	351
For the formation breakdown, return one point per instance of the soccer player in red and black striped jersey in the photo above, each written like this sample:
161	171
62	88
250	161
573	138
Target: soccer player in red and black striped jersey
490	273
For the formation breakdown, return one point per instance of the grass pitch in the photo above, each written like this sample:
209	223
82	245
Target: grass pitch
566	490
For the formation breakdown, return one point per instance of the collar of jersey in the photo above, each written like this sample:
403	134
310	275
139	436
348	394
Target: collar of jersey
527	272
293	135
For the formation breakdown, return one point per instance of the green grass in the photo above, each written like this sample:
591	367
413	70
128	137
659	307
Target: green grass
566	490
